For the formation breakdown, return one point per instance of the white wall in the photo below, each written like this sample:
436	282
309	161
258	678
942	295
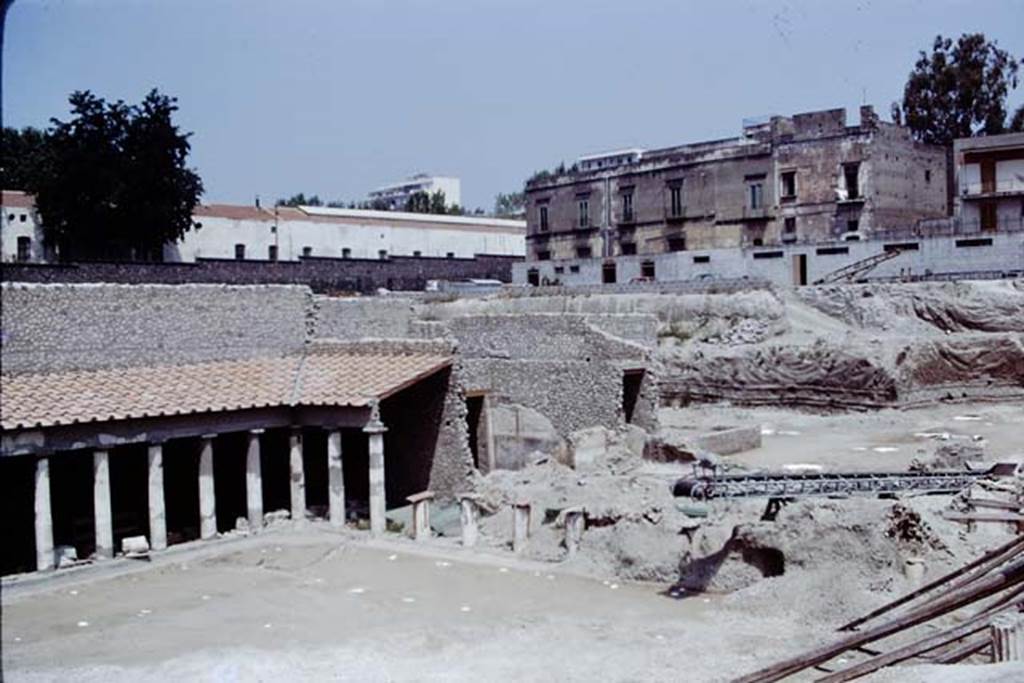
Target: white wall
19	221
218	237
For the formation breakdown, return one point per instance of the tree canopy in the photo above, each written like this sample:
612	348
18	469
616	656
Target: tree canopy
511	204
112	181
958	91
427	202
21	153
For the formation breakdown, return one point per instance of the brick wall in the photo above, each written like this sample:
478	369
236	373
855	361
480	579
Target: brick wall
320	274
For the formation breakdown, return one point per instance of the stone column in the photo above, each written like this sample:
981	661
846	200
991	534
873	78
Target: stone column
520	525
101	505
157	511
1007	637
470	508
574	523
254	481
44	521
207	495
298	475
375	430
335	479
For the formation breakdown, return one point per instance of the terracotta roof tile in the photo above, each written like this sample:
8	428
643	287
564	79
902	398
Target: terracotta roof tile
323	377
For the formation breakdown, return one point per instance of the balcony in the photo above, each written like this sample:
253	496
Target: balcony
997	188
759	213
627	219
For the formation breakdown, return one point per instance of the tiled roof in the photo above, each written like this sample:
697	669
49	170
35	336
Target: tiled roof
16	199
331	377
233	211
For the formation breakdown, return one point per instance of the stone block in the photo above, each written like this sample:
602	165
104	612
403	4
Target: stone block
729	440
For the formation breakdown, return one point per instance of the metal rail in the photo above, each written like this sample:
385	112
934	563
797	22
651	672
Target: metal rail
832	484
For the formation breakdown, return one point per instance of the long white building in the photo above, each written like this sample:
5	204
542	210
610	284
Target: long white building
288	234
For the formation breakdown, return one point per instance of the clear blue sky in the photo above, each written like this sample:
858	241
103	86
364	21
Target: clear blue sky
336	97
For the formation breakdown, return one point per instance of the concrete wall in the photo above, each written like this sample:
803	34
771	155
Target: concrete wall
48	328
321	274
19	219
950	255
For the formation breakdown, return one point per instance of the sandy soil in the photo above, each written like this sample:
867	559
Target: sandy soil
882	440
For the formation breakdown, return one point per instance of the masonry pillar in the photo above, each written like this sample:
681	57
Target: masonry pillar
574	525
469	506
157	511
207	495
101	505
1007	631
44	521
375	430
335	479
254	481
298	494
520	525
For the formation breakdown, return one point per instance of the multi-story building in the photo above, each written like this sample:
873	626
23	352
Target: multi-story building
805	178
989	182
394	195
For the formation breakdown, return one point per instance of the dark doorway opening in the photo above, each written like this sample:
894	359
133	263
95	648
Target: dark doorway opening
477	431
229	451
355	465
632	380
129	492
533	277
608	273
275	470
17	478
314	466
181	490
71	502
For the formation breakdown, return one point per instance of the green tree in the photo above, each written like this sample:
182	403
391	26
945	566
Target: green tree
22	154
1017	122
958	91
425	202
300	199
113	182
511	204
437	203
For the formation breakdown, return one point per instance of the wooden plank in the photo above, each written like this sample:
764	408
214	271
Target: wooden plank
990	559
983	587
982	517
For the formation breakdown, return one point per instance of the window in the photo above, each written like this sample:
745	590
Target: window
756	195
628	248
975	242
608	275
902	246
789	225
702	259
543	255
450	254
239	252
677	244
758	242
23	217
627	206
927	175
544	219
768	254
24	249
346	252
307	251
272	252
852	225
647	269
584	252
382	254
574	269
584	206
831	251
851	173
788	184
417	253
675	200
988	215
559	270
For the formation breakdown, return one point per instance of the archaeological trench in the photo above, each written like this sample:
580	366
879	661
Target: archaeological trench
187	413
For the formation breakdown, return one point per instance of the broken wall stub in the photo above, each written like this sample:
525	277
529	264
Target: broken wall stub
555	366
363	317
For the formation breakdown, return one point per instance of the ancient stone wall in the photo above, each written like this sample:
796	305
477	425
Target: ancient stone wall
48	328
363	317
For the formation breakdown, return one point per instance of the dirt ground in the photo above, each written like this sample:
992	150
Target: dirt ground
311	603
